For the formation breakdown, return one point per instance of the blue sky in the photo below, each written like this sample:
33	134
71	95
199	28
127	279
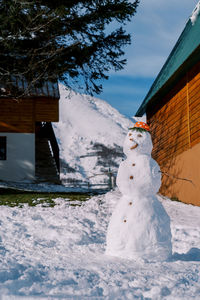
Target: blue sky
154	29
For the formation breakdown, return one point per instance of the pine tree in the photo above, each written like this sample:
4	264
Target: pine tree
69	40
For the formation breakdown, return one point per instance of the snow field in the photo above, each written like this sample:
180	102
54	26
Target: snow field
59	253
86	122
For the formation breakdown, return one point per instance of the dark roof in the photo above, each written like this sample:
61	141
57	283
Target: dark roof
185	53
48	89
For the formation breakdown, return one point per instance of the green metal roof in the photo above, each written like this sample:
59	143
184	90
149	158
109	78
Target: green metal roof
181	55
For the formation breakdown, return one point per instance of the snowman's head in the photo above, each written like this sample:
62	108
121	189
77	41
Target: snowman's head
138	141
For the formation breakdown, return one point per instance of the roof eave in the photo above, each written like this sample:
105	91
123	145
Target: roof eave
180	72
177	59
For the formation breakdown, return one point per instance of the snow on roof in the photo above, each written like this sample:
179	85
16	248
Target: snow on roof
195	13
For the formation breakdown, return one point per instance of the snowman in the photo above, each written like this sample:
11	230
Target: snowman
139	227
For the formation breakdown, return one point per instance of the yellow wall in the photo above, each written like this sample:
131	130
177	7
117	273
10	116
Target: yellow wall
182	177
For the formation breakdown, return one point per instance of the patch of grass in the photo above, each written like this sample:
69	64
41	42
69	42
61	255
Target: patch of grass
16	198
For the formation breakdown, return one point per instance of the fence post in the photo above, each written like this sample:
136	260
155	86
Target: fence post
109	179
113	181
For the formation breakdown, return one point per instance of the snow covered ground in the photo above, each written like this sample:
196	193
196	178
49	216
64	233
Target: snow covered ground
58	253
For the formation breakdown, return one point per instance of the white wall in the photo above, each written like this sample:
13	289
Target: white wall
20	162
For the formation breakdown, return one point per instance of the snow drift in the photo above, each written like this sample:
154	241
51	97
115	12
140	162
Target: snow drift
90	134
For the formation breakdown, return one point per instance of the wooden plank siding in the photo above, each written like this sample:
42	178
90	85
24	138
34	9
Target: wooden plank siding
16	116
46	110
20	116
168	123
175	127
175	119
194	98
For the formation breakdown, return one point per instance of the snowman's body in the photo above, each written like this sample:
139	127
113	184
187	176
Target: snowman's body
139	226
145	172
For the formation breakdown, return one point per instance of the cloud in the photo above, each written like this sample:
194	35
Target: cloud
155	29
125	93
144	65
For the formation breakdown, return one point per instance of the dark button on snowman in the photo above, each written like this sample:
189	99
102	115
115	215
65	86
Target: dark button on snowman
139	226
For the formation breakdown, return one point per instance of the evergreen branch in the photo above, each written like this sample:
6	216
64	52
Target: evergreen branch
65	38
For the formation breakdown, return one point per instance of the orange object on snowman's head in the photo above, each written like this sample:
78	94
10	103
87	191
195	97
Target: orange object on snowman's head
141	125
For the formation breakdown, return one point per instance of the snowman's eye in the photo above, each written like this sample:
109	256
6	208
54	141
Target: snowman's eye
139	135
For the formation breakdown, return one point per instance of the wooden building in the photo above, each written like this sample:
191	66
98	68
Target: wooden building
172	107
28	147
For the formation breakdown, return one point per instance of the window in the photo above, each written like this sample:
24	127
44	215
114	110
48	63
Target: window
2	147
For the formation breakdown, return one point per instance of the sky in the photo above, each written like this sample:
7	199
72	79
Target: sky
154	29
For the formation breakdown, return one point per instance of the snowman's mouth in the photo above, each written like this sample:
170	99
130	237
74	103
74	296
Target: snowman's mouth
135	146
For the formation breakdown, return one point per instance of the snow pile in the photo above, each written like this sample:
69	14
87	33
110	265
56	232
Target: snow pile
139	226
195	13
59	253
90	135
